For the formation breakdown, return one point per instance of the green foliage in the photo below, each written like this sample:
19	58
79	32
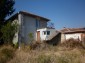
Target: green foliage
6	9
8	32
30	35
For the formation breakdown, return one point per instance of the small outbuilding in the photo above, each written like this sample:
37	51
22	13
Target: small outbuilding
45	34
75	33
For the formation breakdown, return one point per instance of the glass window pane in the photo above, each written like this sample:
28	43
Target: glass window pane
48	32
37	23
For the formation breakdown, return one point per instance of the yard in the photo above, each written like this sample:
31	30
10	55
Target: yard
43	54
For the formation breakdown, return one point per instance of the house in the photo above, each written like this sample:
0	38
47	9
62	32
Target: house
28	23
45	34
75	33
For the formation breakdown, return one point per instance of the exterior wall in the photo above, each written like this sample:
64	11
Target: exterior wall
47	37
43	24
63	38
74	36
53	33
79	36
83	37
19	32
28	26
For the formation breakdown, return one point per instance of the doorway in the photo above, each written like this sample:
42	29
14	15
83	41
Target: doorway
38	36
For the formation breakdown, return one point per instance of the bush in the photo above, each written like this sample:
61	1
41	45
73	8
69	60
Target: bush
8	32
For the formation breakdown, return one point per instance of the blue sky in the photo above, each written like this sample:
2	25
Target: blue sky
63	13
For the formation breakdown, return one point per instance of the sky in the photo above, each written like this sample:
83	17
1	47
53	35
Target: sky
63	13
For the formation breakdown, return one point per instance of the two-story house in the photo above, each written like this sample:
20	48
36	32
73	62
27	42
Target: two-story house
28	23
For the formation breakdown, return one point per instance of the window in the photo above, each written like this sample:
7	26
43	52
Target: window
48	32
37	23
44	32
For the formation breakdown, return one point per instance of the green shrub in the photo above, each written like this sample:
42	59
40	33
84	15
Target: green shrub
8	32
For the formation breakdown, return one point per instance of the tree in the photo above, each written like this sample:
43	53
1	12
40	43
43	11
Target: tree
6	9
8	31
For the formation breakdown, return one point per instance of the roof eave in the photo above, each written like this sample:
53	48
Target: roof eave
33	15
73	32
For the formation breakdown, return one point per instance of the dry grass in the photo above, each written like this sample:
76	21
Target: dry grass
34	56
50	54
44	53
71	44
6	53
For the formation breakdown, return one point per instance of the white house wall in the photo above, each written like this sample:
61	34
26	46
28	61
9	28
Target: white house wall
63	38
53	33
47	37
42	36
74	36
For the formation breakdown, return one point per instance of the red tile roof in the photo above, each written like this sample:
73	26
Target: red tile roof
73	30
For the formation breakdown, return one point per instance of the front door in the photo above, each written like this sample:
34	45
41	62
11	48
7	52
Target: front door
38	36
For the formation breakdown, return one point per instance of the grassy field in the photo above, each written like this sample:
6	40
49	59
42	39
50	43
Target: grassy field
62	53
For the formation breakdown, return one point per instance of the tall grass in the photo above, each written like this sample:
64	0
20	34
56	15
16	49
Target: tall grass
43	53
71	44
6	53
44	59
